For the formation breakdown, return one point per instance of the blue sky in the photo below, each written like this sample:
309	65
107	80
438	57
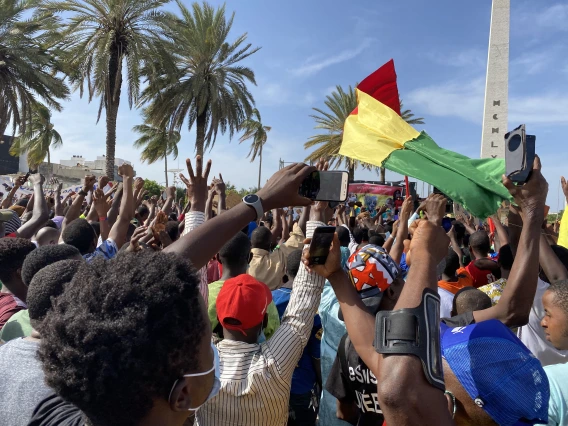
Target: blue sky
440	52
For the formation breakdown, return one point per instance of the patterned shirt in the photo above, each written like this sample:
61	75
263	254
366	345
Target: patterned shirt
192	221
106	249
256	378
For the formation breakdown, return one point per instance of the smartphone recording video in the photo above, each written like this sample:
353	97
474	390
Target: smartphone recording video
321	243
325	186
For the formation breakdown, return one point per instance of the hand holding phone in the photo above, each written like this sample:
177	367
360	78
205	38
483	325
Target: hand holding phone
323	185
320	244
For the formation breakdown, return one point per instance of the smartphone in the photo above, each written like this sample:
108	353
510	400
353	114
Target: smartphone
325	186
147	197
447	224
321	243
519	154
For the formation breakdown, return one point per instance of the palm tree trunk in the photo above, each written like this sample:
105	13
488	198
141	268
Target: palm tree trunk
259	166
383	173
112	102
200	123
49	172
166	169
351	171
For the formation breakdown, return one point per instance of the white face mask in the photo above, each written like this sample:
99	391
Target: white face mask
216	384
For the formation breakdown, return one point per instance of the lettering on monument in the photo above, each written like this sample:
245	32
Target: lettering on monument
497	103
495	130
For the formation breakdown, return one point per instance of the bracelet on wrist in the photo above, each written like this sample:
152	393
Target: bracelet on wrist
83	193
102	218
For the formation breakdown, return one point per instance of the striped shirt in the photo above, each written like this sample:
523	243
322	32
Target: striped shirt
256	378
192	221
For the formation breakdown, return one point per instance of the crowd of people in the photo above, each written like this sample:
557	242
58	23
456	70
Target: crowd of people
117	308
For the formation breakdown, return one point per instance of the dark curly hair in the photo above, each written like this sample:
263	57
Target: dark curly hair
44	256
122	333
293	263
236	251
47	283
79	233
13	252
560	290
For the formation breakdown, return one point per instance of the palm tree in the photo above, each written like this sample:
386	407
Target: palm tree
408	116
254	130
157	144
38	138
340	104
100	37
208	87
27	64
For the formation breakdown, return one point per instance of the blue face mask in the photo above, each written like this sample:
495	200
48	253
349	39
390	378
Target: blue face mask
216	384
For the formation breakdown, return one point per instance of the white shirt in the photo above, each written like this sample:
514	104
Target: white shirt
256	378
446	303
532	334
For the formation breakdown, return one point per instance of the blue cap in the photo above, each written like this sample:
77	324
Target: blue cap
498	372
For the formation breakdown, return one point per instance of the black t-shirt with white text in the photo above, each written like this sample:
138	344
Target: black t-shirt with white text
350	381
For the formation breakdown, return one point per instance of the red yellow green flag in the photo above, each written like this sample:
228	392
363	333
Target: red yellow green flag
375	133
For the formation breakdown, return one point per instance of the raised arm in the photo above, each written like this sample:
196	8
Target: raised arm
402	233
285	227
120	228
58	206
502	235
221	190
40	213
405	396
209	203
171	196
304	218
115	206
75	210
276	226
517	299
549	262
7	202
203	243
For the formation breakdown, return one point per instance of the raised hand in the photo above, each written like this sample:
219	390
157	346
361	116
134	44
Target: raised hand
103	181
197	183
332	264
406	210
435	207
89	183
37	179
530	197
219	185
20	181
171	192
101	205
126	171
134	245
564	187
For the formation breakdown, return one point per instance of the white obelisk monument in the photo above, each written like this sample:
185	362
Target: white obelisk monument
497	83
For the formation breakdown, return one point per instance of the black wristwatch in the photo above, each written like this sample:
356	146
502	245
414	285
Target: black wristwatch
255	202
83	193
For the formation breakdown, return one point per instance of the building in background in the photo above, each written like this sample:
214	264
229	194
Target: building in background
8	163
72	171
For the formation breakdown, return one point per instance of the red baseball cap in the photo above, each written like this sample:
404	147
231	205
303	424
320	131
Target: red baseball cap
245	299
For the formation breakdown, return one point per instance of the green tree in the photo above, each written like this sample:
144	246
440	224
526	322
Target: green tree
153	188
408	116
27	64
38	138
208	85
157	144
339	105
257	132
98	39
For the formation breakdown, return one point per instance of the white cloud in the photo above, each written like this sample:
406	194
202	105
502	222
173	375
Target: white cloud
455	99
554	17
312	65
475	58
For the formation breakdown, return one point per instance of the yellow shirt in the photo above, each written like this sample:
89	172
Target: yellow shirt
563	231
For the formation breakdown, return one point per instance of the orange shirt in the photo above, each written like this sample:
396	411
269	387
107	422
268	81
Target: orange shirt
464	280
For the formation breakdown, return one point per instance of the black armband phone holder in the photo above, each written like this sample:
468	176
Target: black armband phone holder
415	332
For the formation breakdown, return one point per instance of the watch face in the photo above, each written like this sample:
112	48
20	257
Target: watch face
251	199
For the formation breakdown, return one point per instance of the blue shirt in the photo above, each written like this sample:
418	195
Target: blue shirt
333	331
107	249
304	377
